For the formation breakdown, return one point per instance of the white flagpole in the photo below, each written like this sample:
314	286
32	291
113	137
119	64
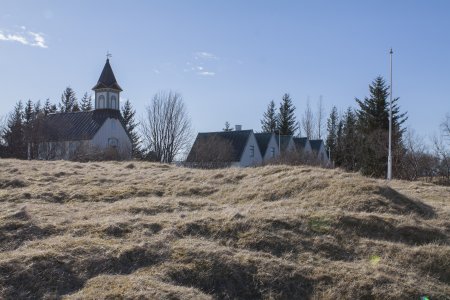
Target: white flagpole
389	171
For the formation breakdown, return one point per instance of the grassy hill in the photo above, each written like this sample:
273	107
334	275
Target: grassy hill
121	229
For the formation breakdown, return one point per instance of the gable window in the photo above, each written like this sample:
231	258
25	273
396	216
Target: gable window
113	142
252	151
113	102
101	101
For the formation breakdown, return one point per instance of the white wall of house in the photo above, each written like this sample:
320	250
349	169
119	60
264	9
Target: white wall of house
272	150
112	134
251	155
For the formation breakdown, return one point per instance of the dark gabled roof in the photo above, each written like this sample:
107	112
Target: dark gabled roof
236	139
284	139
300	142
107	79
263	140
75	126
315	144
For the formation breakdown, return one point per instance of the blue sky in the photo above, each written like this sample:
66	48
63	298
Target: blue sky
230	58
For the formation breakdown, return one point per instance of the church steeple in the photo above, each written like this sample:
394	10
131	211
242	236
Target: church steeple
107	90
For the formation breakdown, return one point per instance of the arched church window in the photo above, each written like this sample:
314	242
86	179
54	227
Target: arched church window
101	101
113	142
113	102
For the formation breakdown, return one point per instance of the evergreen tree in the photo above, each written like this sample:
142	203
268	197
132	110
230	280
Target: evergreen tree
269	121
75	106
130	125
37	108
350	141
48	107
28	114
86	102
287	124
37	132
68	100
332	127
227	127
14	133
338	152
373	125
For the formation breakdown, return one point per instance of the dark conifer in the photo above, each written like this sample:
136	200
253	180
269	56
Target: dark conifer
128	114
269	121
86	102
68	100
373	125
287	124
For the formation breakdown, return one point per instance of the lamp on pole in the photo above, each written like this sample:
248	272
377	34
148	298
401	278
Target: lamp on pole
389	170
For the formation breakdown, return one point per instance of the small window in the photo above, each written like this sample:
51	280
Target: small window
101	101
113	102
252	151
272	151
113	142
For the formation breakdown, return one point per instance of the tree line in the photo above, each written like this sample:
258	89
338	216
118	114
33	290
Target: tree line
357	138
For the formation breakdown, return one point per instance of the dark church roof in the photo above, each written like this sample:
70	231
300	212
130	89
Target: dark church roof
263	140
236	139
75	126
107	79
315	144
300	142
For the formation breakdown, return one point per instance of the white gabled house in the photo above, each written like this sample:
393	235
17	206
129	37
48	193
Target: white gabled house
267	145
243	148
237	148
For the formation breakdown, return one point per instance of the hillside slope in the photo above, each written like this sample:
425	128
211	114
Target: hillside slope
121	229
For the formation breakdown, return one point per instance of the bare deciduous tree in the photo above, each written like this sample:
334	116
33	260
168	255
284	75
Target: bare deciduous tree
211	152
166	127
446	127
320	116
307	121
417	162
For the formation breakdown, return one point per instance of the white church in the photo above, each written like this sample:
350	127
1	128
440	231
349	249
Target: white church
96	134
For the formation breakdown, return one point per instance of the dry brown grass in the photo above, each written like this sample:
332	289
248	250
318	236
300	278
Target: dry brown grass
141	230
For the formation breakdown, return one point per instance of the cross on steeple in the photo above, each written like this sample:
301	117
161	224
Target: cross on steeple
108	55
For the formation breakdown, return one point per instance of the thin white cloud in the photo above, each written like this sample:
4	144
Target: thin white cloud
13	38
206	73
39	40
27	38
205	56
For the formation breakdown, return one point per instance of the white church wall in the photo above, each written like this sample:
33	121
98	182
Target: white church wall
112	134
